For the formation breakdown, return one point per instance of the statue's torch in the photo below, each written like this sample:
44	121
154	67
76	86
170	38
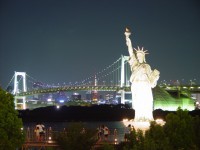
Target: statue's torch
127	32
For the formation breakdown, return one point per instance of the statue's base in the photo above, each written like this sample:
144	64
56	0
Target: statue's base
142	125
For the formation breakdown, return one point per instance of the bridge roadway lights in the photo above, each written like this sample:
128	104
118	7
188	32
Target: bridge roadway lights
78	88
20	102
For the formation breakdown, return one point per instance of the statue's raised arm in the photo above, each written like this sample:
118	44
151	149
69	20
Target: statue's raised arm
132	55
128	42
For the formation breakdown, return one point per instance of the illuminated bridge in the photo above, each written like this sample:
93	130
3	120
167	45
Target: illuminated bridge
114	77
72	88
190	88
185	88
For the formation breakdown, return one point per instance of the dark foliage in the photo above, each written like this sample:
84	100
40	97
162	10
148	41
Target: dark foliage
180	132
77	137
78	113
11	136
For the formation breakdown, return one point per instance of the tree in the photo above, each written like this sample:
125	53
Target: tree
179	128
155	138
135	141
196	127
77	137
181	131
11	136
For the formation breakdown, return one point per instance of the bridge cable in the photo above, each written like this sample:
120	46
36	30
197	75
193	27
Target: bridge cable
10	82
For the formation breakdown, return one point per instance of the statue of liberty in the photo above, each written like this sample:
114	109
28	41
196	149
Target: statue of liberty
142	79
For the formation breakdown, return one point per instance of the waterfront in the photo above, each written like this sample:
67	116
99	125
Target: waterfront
59	126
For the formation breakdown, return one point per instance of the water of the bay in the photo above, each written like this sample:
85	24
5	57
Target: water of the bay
59	126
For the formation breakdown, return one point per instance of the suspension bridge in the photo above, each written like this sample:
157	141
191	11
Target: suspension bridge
114	77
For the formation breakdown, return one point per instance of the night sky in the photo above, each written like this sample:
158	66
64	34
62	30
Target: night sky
56	41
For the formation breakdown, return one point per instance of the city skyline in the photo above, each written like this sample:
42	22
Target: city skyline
67	41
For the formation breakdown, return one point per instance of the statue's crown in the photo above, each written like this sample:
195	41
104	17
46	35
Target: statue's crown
142	51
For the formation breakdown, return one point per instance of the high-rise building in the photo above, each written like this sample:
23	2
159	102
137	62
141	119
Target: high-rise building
76	96
95	95
89	95
95	92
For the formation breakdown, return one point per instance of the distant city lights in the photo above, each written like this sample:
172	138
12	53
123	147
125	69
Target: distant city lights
61	101
49	100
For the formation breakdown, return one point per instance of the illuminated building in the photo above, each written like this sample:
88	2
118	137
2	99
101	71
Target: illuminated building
76	96
95	92
88	95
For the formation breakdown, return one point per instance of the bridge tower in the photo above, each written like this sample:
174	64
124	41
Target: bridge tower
124	81
16	82
19	100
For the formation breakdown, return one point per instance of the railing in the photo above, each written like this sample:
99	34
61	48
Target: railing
47	137
50	136
42	142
